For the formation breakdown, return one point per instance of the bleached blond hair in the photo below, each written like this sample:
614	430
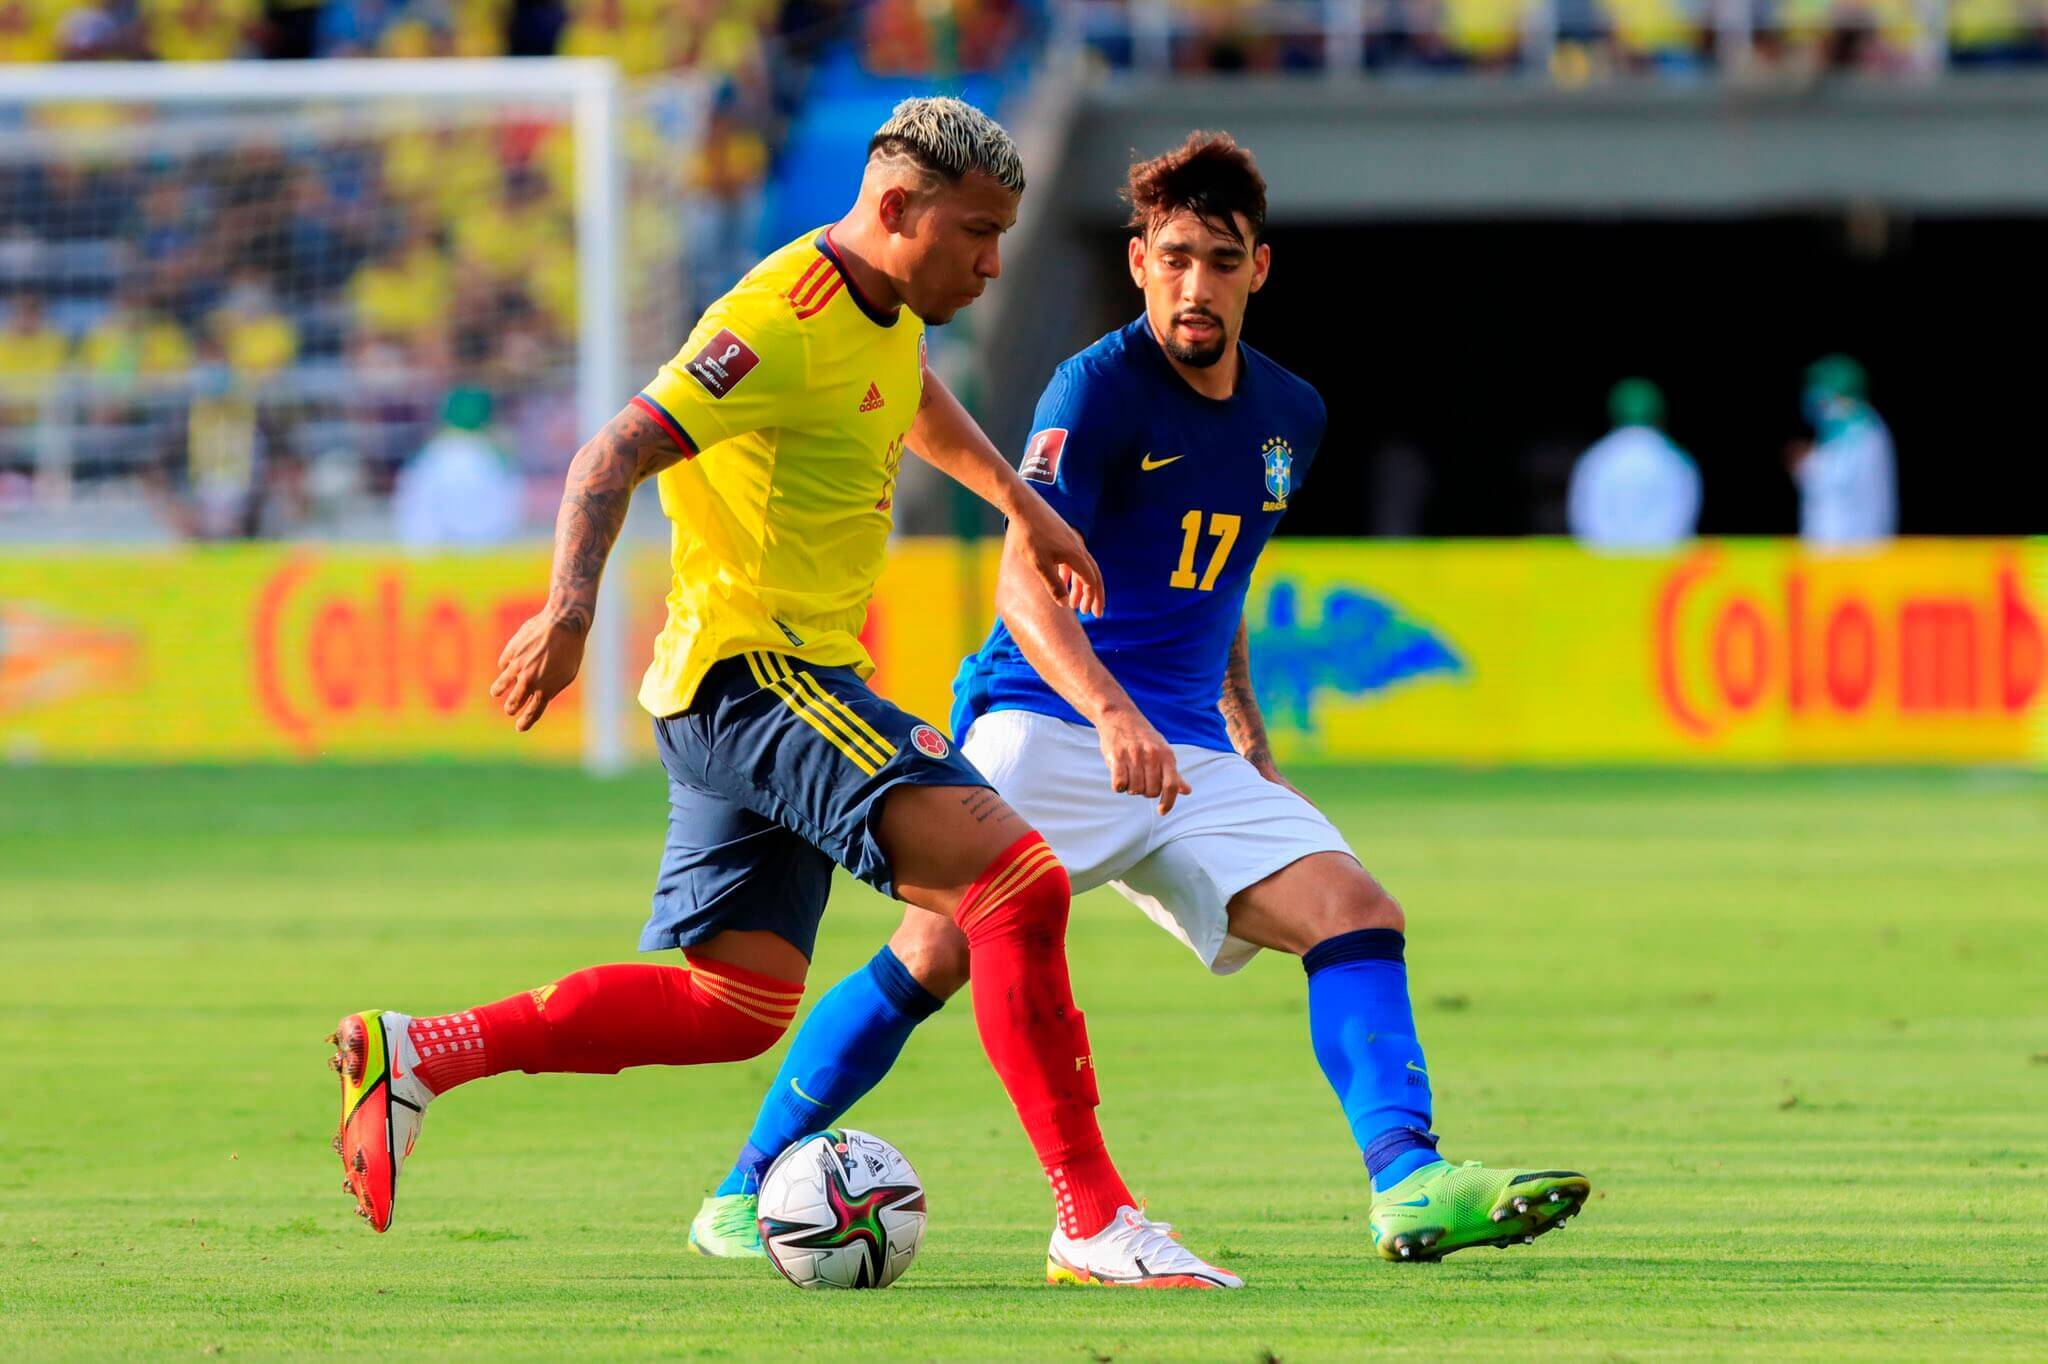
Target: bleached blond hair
948	138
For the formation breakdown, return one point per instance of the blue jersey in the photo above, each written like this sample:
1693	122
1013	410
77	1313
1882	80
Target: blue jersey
1176	495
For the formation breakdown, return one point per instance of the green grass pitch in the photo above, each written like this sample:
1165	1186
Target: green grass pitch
1794	1026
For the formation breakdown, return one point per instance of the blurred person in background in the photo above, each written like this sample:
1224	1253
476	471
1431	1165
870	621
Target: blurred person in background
1847	476
28	30
460	489
199	30
1634	488
727	171
32	351
132	341
291	28
233	475
256	338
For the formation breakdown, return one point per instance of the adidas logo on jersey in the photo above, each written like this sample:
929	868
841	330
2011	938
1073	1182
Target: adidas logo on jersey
873	400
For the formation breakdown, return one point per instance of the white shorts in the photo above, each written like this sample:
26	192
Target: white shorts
1181	868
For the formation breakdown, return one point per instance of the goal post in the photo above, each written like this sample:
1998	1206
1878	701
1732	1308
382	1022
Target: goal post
552	344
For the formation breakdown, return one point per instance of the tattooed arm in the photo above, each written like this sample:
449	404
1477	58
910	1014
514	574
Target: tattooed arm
1241	716
545	653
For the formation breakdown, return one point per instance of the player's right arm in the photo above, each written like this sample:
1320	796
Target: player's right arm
544	654
1081	429
742	363
1141	762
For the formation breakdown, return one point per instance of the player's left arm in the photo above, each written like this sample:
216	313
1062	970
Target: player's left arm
947	438
1241	717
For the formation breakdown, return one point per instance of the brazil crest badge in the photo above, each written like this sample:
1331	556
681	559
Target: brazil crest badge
1279	458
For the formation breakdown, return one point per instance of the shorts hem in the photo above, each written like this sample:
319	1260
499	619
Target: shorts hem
883	878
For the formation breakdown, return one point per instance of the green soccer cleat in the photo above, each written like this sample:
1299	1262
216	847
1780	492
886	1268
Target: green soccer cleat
1445	1207
728	1227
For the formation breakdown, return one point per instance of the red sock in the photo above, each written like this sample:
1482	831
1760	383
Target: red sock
1015	919
604	1018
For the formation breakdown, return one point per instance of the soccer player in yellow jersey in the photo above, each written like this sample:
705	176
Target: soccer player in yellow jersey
776	433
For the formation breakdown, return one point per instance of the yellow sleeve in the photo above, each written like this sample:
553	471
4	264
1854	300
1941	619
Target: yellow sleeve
740	371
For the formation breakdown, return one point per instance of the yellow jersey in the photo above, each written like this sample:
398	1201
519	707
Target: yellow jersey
794	393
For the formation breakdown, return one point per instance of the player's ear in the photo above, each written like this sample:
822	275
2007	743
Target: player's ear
1262	262
1137	258
894	208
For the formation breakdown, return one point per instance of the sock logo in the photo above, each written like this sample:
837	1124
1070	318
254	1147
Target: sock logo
1084	1063
540	997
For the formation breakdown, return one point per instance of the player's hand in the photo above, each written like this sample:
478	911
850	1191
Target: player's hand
1271	773
1141	762
540	660
1056	553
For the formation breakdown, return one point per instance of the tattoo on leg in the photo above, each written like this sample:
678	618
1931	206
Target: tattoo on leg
985	805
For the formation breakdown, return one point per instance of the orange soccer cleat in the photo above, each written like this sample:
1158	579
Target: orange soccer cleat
382	1106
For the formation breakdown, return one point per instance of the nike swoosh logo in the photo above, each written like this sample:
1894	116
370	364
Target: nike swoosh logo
801	1095
1148	464
1417	1069
1421	1202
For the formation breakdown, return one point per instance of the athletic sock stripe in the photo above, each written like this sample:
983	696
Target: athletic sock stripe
1040	859
723	988
861	728
740	1006
738	989
813	309
1000	886
979	914
794	699
760	992
830	706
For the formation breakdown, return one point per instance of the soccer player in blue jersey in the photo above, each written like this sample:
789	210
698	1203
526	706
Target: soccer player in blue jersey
1132	740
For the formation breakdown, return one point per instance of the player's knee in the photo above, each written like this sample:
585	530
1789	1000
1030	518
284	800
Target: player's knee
734	1016
1373	907
1024	893
1355	904
741	1034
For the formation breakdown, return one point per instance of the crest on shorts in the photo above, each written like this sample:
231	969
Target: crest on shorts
930	742
1278	456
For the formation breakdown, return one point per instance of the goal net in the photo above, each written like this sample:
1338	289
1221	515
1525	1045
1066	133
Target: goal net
236	299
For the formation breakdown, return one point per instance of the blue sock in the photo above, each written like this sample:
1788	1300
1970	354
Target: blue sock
843	1050
1363	1031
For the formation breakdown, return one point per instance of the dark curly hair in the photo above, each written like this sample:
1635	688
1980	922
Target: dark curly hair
1208	175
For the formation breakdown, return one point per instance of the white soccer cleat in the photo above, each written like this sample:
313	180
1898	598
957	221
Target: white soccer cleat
382	1106
1132	1252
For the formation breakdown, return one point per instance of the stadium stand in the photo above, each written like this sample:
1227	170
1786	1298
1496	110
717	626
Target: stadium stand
335	293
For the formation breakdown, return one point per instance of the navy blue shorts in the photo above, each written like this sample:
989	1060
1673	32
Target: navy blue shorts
776	771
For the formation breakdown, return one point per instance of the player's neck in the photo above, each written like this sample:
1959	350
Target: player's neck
855	250
1217	381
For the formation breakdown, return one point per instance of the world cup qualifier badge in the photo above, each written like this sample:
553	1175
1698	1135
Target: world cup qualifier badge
929	742
1279	460
724	361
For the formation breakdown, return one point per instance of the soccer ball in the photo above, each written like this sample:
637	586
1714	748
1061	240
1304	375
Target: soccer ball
841	1209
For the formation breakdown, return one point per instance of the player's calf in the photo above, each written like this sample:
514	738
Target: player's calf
597	1021
934	950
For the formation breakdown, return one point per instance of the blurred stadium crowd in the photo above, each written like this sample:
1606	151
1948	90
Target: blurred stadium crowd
1569	41
205	318
259	331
